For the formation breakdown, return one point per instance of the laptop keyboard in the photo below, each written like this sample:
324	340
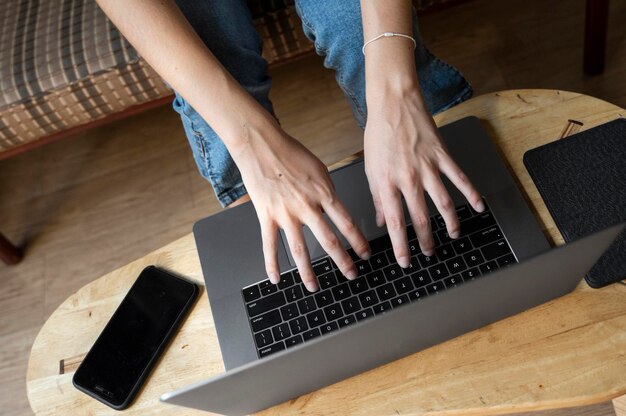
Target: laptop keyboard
286	314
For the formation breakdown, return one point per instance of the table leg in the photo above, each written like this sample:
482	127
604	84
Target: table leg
9	254
596	19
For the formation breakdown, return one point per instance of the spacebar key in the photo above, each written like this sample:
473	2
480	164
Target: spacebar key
266	304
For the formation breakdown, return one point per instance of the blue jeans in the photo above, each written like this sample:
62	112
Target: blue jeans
335	27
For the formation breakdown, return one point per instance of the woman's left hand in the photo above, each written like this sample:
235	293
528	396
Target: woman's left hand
404	157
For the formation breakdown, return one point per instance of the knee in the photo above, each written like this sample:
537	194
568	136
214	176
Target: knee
334	26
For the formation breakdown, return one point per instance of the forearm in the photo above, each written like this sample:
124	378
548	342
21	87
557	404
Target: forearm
389	62
164	37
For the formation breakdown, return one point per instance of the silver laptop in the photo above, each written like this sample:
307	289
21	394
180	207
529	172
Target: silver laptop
270	334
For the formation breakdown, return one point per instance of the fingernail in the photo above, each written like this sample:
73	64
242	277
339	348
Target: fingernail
403	262
480	206
428	253
366	255
311	286
351	275
454	234
274	278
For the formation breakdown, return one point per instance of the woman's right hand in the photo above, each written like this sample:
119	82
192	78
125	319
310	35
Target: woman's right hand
289	188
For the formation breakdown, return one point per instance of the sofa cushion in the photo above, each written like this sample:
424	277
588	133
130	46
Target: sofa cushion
62	64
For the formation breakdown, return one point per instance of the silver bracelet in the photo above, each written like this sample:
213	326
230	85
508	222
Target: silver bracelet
388	35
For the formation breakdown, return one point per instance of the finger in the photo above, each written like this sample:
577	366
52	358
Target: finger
439	194
394	217
378	206
270	250
462	182
300	253
418	211
332	245
340	216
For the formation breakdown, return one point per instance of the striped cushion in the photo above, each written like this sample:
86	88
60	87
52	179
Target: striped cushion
64	64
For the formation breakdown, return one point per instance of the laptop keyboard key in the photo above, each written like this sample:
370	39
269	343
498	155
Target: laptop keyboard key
453	281
386	292
378	261
281	331
403	285
443	236
263	338
376	278
418	294
434	288
470	274
329	280
414	248
333	312
298	325
438	271
368	299
264	352
421	278
495	250
293	293
324	298
364	314
289	311
329	327
265	304
251	293
412	267
488	267
477	223
399	301
321	267
346	320
393	272
486	236
286	280
311	334
462	245
306	305
463	212
427	261
456	265
473	258
316	318
507	260
265	321
341	292
267	288
290	342
351	305
358	285
362	267
445	252
382	308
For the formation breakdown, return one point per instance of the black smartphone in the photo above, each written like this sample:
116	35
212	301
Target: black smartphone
138	332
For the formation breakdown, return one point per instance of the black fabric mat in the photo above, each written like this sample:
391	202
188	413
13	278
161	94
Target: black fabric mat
582	180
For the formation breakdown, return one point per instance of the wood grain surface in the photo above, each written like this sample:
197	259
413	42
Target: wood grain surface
568	352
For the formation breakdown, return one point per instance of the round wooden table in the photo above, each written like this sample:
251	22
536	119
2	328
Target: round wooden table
568	352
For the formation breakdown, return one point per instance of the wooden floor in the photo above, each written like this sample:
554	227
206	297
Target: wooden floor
89	204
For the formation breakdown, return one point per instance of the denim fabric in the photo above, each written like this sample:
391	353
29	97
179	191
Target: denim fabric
335	28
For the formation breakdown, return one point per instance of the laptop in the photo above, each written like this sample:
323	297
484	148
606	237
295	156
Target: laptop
270	335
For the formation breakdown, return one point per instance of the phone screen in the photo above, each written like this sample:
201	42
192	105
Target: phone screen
139	329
